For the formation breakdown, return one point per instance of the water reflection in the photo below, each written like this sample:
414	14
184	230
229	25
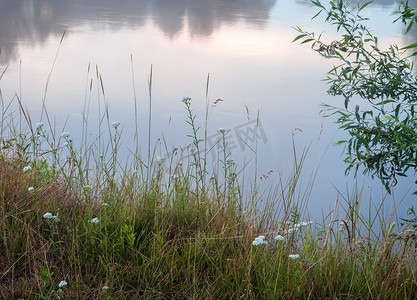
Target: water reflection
260	69
205	16
32	22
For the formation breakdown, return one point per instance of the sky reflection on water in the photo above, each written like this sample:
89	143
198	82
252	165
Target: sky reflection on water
244	45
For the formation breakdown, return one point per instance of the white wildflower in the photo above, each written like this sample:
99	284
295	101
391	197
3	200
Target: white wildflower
259	241
30	189
27	168
48	215
65	134
294	256
95	221
292	229
62	283
160	159
295	227
105	287
186	99
279	238
105	204
115	125
193	151
39	125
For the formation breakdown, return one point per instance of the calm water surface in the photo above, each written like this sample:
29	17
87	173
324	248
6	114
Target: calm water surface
245	46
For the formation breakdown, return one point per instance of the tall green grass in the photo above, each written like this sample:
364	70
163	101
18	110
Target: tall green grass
165	228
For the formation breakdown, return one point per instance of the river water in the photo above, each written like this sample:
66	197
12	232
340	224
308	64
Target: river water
271	88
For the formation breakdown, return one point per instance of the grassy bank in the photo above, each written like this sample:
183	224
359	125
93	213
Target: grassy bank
76	223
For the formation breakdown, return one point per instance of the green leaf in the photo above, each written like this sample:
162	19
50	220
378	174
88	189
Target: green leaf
385	102
397	110
358	117
299	37
338	54
364	5
316	15
306	41
317	3
409	26
409	46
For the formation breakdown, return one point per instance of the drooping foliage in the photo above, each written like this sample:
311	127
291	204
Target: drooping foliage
383	129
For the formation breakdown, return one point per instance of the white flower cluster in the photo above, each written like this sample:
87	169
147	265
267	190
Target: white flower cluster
295	227
95	221
160	159
294	256
62	284
115	125
27	168
49	216
65	134
279	238
259	241
193	151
